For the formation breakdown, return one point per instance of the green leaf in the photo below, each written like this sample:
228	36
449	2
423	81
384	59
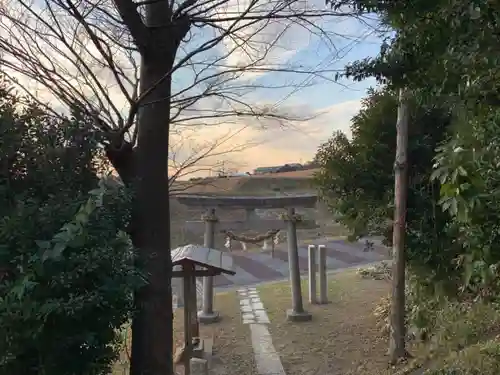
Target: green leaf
58	249
462	171
453	207
437	173
43	245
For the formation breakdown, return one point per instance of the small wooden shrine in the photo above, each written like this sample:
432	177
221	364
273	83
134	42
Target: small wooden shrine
190	262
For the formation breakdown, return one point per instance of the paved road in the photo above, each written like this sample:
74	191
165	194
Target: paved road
254	267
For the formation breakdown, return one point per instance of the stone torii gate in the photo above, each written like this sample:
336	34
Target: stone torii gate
289	222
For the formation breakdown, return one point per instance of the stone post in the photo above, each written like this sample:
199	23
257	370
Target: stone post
297	312
323	286
207	315
311	250
265	245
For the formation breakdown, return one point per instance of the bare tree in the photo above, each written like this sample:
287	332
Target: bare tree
188	156
141	68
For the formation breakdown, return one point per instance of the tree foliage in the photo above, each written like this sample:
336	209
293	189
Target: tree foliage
445	53
442	48
66	266
467	169
357	178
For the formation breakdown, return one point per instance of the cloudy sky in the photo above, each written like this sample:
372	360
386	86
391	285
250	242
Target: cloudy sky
329	105
284	68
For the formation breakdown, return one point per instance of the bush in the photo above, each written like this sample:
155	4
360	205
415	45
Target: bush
379	271
356	180
67	271
63	300
479	359
447	322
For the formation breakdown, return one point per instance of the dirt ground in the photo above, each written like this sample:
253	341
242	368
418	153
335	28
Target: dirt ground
341	339
231	340
232	346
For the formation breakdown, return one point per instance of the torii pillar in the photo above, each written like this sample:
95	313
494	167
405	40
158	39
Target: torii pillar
297	312
207	315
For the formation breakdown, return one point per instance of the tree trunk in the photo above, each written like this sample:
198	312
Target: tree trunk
397	348
152	326
145	167
121	154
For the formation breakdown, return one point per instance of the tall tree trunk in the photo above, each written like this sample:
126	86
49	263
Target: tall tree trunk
152	328
145	167
397	348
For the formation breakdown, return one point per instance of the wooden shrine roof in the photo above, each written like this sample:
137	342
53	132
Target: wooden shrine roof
204	258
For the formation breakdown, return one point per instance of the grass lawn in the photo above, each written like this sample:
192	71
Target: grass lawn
232	347
342	338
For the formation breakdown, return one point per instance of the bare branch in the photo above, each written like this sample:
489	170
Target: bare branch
129	14
86	55
190	156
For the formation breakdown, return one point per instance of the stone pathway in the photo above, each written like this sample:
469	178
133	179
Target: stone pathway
267	359
253	267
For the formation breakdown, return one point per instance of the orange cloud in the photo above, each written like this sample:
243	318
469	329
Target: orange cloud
275	146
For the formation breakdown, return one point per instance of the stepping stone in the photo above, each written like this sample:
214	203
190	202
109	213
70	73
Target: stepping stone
246	309
261	316
263	320
247	316
257	306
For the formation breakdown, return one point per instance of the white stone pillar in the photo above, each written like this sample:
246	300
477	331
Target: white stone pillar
265	245
311	251
323	285
297	312
207	315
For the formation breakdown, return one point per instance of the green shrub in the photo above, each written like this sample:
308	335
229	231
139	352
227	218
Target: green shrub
356	180
448	323
63	300
67	273
479	359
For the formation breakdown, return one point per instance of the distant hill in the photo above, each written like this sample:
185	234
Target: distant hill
264	184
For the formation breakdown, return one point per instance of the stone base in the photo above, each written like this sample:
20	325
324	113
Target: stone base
294	316
199	366
204	318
